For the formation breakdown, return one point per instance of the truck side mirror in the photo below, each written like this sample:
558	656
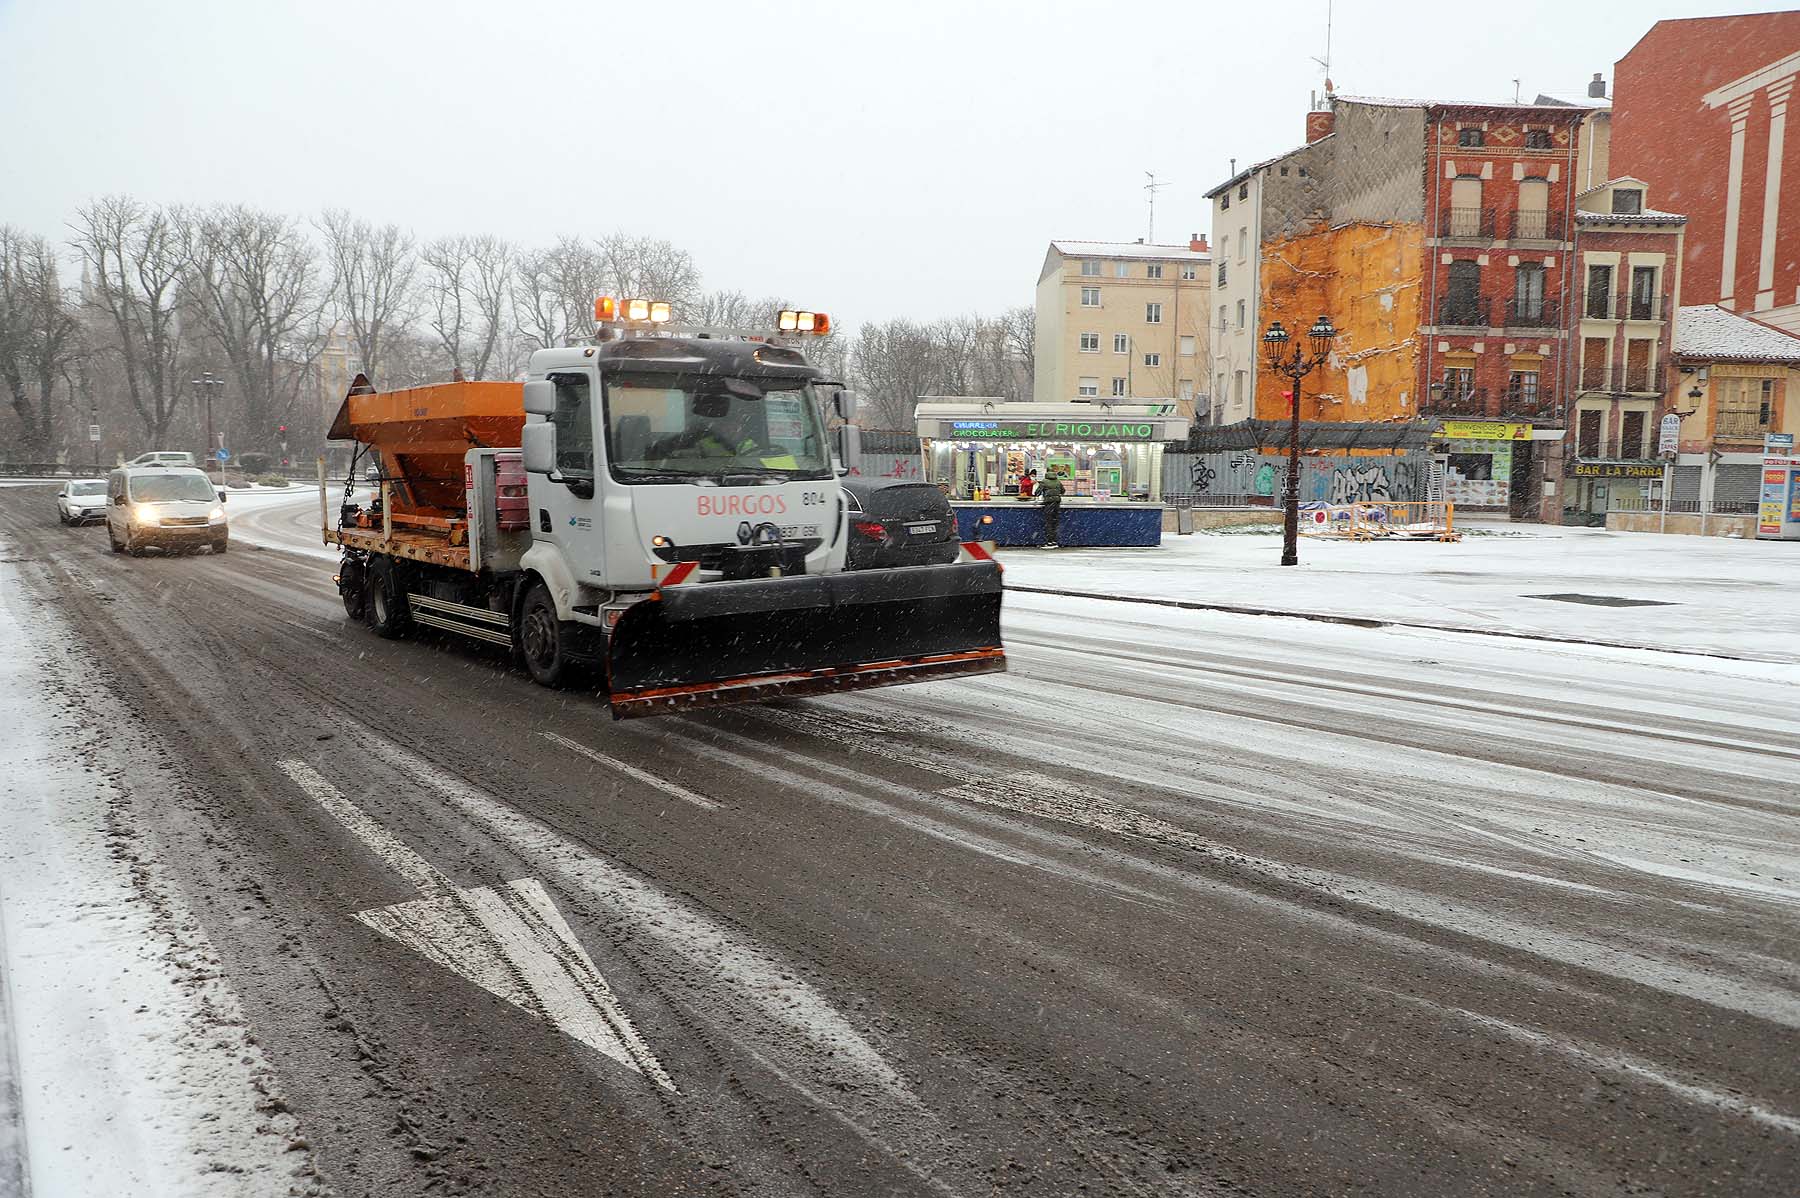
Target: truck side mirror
846	403
537	445
848	448
540	398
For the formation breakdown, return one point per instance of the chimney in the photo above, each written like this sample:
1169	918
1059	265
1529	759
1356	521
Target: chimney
1597	88
1318	124
1197	243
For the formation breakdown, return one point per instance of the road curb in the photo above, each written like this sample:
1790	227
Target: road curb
15	1172
1370	622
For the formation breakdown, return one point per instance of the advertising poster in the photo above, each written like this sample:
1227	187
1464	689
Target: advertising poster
1774	488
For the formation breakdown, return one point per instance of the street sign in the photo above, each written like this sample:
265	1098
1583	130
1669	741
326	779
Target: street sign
1778	445
1668	438
224	455
93	432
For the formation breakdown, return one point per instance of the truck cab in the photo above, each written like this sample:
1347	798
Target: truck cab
646	453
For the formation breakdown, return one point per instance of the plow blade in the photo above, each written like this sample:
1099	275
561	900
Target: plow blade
715	643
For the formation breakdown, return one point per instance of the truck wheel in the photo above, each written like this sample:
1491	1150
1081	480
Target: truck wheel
387	607
353	587
220	545
540	638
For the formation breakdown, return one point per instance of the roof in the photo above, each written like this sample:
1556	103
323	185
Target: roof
1128	249
1600	104
1554	106
1649	216
1711	333
1264	165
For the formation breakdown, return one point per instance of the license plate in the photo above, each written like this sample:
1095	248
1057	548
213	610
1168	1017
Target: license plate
794	532
921	529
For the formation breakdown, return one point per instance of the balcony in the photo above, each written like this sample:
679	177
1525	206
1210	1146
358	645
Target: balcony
1467	224
1532	313
1454	399
1461	310
1529	404
1740	424
1597	306
1623	380
1537	226
1644	309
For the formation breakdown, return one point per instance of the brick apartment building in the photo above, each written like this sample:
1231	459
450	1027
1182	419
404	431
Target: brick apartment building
1700	114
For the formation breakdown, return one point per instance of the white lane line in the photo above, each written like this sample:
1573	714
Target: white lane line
510	941
1592	1058
648	779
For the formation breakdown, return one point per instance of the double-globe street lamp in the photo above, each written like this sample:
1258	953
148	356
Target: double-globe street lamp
204	386
1285	356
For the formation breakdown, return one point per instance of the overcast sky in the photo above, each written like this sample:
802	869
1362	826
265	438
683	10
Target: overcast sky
870	159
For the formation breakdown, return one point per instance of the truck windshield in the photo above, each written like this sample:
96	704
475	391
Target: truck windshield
666	428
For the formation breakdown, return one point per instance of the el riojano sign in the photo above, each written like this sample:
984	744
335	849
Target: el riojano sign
1058	430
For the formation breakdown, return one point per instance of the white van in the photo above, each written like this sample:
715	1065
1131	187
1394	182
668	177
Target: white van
162	457
168	507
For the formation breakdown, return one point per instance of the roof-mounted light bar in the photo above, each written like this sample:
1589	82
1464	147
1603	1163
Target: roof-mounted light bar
791	320
610	309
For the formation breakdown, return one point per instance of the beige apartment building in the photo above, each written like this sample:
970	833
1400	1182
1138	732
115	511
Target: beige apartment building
1123	320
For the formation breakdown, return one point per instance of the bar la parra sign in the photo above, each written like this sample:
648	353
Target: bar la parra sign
1618	470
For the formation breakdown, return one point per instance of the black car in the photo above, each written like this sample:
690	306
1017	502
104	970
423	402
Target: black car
898	523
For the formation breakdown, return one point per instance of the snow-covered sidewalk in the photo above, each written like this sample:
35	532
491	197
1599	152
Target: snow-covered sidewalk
1695	594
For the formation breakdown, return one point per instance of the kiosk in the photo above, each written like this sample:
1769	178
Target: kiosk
1108	456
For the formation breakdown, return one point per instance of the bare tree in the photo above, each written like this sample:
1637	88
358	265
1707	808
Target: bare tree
650	268
136	258
39	337
467	285
372	272
554	292
253	279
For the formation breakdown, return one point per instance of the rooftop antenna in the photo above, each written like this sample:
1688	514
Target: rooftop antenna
1515	91
1152	187
1325	63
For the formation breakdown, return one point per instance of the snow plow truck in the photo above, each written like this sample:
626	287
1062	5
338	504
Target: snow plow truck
658	511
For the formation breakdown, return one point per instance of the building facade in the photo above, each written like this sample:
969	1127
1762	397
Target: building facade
1123	320
1736	380
1628	266
1700	113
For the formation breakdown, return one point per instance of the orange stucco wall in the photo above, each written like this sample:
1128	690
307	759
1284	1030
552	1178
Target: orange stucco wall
1366	278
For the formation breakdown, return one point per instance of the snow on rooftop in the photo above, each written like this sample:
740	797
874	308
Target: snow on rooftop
1647	216
1711	332
1127	249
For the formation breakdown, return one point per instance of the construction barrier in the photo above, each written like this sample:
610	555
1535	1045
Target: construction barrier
1417	520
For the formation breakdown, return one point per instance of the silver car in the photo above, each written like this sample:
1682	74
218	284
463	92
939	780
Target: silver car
81	500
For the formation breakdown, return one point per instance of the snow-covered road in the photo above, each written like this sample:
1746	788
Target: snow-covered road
1186	902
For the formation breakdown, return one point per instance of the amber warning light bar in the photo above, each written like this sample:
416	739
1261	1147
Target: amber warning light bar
790	320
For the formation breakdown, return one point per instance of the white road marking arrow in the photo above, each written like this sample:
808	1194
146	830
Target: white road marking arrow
511	940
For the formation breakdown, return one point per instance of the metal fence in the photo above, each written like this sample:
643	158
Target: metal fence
1251	479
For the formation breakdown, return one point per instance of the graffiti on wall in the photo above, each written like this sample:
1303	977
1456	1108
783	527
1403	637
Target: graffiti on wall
1360	484
1324	479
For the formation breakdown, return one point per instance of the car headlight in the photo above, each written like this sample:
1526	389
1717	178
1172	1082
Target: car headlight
216	515
143	513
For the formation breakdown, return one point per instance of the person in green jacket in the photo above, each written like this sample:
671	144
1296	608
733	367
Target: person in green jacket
1051	497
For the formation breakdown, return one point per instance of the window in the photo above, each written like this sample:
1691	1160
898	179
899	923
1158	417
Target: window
1221	272
1470	137
1122	270
1627	201
1219	390
1224	200
1631	435
1533	218
1121	343
1188	272
1243	243
1153	359
1090	267
1599	292
1637	365
1243	191
1587	434
1465	207
1462	302
1643	293
1187	347
1186	390
1087	386
1746	406
1152	313
1238	387
1090	343
1528	295
1537	139
1153	271
1224	320
1240	314
1522	389
1459	384
1118	387
574	421
1090	297
1593	364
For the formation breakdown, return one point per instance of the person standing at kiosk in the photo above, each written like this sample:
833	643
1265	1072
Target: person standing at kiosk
1052	491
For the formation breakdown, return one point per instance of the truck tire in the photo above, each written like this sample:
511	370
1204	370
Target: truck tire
387	614
540	638
353	588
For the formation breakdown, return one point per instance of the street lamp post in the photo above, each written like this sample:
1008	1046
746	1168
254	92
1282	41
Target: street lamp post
1295	363
204	386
